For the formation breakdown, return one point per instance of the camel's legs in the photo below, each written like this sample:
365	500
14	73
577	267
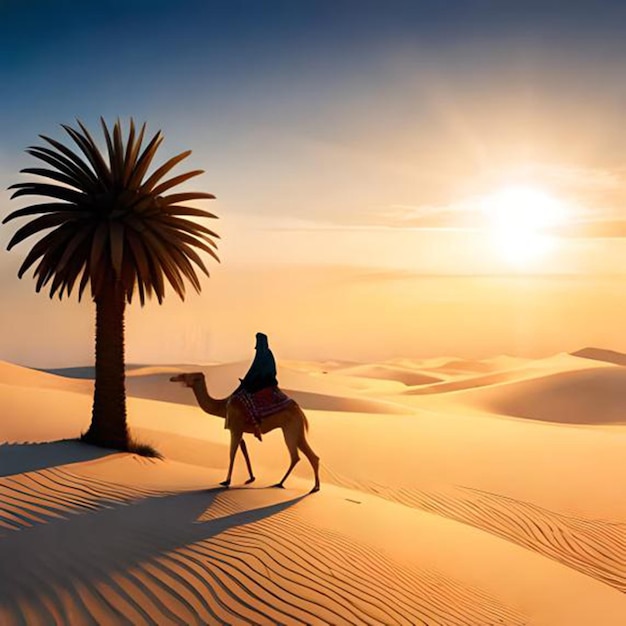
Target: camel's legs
235	439
291	439
314	460
244	450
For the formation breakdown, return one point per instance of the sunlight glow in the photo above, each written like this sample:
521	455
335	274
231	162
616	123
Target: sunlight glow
518	217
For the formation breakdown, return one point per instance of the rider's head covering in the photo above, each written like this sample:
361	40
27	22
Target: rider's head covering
261	341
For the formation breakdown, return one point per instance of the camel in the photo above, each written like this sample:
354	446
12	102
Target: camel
291	420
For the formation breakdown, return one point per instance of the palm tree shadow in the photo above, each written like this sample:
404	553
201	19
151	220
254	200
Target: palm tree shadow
16	458
43	563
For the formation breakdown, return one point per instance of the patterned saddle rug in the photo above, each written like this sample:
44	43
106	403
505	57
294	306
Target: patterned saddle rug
263	403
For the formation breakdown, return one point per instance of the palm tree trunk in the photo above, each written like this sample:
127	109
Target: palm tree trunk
108	421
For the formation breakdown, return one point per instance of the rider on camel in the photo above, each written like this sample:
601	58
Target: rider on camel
261	374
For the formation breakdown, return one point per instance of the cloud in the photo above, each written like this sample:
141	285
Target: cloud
592	229
590	190
571	177
600	200
456	216
595	199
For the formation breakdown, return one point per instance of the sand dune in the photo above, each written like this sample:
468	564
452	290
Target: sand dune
599	354
152	382
595	547
511	373
251	556
158	387
435	508
403	375
463	367
470	382
593	396
17	375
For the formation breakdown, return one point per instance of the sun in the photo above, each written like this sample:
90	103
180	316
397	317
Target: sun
519	218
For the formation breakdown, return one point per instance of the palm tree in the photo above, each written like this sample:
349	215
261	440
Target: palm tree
118	230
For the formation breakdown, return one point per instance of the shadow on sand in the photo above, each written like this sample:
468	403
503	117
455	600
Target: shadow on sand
57	559
16	458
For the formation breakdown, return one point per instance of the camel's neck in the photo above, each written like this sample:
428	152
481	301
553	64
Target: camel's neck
207	403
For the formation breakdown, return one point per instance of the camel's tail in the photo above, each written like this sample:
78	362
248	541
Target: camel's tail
305	421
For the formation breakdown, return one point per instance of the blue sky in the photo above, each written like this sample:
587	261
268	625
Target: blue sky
309	65
226	78
345	134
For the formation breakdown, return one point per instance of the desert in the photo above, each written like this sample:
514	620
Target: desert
441	509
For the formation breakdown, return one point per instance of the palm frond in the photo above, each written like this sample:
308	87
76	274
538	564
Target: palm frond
130	146
108	219
90	150
132	151
51	191
44	173
165	256
71	252
54	238
177	209
195	239
72	157
37	209
98	244
161	171
139	261
117	158
116	242
143	162
84	181
177	180
187	225
183	197
41	223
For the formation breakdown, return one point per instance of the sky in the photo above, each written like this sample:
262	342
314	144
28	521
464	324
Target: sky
398	178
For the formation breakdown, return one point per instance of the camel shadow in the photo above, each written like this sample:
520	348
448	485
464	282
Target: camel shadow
16	458
44	563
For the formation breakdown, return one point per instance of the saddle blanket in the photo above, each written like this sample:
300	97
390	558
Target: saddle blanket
263	403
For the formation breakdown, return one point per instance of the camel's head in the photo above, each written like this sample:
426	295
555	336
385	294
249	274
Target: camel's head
187	379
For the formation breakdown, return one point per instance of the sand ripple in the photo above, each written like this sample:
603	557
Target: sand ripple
594	547
77	550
